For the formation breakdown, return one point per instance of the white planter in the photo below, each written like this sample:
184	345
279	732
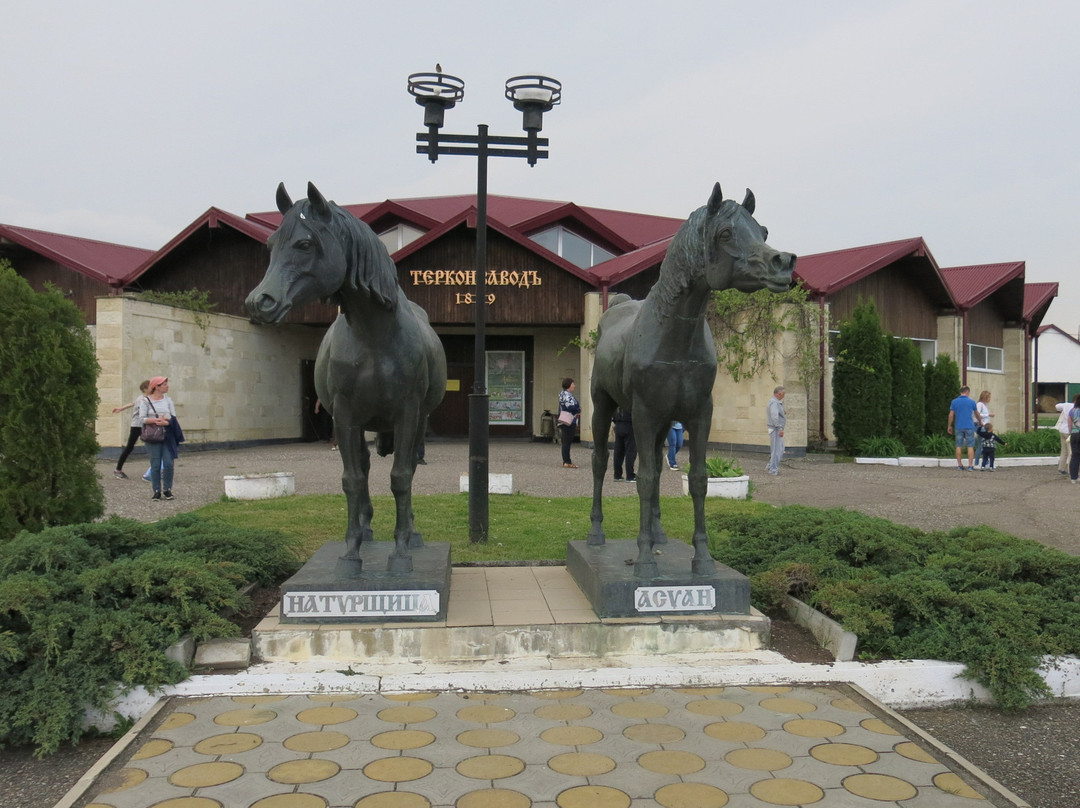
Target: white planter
260	486
497	483
725	487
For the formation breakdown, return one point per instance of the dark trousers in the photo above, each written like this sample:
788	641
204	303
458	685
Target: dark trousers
988	456
1074	461
567	439
133	435
625	450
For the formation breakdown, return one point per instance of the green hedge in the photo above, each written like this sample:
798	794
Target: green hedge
87	611
994	602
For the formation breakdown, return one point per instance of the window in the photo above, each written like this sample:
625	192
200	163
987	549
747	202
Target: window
398	236
577	250
927	347
982	357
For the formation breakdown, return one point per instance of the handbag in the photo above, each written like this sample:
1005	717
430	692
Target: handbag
153	433
566	418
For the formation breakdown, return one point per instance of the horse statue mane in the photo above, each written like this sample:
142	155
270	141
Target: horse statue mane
369	266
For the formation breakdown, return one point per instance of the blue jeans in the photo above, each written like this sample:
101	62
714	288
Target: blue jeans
161	467
674	443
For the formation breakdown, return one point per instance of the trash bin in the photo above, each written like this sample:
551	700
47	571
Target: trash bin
547	426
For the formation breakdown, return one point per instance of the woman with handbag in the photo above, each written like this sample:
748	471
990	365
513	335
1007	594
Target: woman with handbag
156	411
569	408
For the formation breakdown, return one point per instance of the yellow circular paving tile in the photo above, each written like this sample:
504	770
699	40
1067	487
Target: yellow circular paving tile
849	705
485	714
291	801
844	754
403	739
398	769
406	715
321	741
593	797
878	726
716	707
913	751
951	784
490	767
699	691
488	738
630	692
229	744
323	716
691	795
571	736
313	770
773	689
393	799
153	748
671	762
253	700
761	760
176	720
879	787
562	712
735	731
556	694
654	733
203	775
244	718
786	791
639	709
782	705
124	779
493	798
813	728
189	802
581	764
409	696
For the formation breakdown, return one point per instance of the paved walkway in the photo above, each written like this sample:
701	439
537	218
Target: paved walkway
688	747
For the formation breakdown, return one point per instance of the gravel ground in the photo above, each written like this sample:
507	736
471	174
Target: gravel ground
1033	752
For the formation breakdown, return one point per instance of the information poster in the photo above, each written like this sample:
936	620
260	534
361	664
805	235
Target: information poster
506	387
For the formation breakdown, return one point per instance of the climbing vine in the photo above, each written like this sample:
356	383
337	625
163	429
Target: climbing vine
747	328
197	301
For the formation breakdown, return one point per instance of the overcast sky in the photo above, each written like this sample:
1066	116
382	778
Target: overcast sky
853	122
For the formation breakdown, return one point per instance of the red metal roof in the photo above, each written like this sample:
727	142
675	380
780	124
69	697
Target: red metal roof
629	264
100	260
825	273
1056	330
973	284
1038	296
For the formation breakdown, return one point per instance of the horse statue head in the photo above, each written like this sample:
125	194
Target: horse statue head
320	251
723	246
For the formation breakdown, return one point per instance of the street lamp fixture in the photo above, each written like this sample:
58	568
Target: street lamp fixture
532	96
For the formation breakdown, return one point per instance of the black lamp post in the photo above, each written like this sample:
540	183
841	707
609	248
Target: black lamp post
533	96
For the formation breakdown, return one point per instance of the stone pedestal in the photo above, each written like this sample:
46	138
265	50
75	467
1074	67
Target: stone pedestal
318	594
610	585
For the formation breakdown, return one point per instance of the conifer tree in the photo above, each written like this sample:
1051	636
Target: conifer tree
48	403
942	386
862	380
908	393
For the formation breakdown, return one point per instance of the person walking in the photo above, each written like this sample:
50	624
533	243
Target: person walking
158	408
675	438
133	432
983	416
569	409
776	420
989	449
1063	428
625	447
962	413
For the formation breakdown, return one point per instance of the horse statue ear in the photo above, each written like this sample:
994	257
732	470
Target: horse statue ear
283	201
749	203
319	206
716	200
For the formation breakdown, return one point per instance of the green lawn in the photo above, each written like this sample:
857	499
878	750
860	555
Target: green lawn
522	528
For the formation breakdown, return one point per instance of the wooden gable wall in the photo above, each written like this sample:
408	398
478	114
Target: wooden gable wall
76	287
903	302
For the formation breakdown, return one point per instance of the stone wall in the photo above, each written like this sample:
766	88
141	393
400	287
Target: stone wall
230	379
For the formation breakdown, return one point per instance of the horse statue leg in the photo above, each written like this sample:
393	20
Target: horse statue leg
356	462
650	452
416	540
603	409
703	562
401	478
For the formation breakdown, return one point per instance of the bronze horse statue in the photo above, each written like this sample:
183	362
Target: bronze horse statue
657	359
380	368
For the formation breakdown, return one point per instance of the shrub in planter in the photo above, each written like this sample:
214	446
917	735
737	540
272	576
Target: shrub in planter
937	446
880	447
723	467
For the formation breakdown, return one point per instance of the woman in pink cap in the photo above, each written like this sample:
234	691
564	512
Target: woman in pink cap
157	408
